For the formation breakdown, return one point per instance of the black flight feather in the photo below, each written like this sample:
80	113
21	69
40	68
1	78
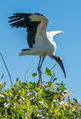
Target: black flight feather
23	20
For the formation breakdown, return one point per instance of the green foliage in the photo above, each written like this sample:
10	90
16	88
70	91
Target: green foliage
27	101
48	72
34	74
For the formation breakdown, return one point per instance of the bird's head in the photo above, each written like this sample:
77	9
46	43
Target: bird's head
60	62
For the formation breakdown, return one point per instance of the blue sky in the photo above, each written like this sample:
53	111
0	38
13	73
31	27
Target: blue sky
63	15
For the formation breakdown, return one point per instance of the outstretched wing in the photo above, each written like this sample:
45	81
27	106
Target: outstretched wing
36	25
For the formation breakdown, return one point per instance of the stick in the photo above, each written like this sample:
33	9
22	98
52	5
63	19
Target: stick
6	68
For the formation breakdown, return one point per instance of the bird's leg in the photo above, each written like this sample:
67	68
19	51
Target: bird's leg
40	78
39	62
42	62
39	72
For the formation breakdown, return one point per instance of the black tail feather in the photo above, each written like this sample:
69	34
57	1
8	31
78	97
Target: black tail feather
25	49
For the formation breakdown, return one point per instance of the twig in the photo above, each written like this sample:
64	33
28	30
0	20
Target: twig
26	76
49	69
1	78
6	68
52	67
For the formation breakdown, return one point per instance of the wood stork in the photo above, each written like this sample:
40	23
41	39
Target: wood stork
40	42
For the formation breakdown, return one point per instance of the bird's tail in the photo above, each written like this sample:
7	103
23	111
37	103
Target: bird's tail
22	53
27	52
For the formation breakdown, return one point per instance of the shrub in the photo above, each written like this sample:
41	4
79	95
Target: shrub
27	101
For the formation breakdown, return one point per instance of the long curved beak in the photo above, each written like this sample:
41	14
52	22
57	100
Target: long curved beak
60	62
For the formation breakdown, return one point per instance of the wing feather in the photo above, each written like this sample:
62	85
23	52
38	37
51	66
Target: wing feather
52	34
36	25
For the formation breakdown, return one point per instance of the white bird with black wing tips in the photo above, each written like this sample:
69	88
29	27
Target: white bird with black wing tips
40	42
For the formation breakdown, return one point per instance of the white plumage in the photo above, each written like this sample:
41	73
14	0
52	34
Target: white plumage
40	42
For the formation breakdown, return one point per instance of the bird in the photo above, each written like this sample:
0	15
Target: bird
40	41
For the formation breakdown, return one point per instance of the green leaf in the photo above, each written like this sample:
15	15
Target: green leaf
11	86
31	85
55	79
48	72
17	79
53	71
4	84
34	74
49	84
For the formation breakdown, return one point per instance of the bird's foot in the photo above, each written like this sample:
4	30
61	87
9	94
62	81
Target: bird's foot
39	83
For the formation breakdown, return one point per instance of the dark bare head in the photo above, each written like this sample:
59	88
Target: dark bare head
60	62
